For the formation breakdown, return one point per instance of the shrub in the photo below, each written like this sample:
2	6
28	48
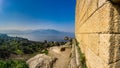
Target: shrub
45	51
13	64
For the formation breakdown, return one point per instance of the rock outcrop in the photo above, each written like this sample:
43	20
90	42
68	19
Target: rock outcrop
41	61
58	57
98	32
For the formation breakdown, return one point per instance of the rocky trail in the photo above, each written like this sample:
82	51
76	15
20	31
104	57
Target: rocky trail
63	57
58	57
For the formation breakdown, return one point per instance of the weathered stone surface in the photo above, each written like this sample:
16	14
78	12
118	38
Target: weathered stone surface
109	48
115	21
81	11
41	61
101	2
89	41
115	65
84	9
105	46
93	6
75	56
98	32
105	19
93	60
98	22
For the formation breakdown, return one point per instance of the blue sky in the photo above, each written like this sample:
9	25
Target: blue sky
37	14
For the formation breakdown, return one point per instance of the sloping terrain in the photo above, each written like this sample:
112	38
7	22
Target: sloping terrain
63	57
58	57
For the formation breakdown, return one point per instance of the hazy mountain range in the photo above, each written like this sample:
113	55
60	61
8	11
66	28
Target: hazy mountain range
39	35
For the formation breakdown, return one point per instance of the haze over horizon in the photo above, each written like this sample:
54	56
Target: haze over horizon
37	14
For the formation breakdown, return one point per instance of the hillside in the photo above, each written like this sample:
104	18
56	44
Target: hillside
39	35
10	46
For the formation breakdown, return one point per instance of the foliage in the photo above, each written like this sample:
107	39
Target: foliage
13	64
68	39
16	46
20	46
45	51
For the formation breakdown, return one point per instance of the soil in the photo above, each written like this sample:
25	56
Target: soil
63	57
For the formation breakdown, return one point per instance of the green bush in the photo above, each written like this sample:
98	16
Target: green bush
45	51
13	64
19	52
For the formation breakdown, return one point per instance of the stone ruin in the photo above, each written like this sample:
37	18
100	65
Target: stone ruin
98	32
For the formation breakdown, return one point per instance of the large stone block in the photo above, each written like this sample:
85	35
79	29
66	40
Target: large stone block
84	9
105	46
81	10
93	60
105	19
89	40
109	48
93	6
98	22
98	32
80	41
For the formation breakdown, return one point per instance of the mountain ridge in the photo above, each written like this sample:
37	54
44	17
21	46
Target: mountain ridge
39	34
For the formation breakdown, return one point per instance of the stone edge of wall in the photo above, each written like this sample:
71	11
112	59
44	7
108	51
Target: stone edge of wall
77	58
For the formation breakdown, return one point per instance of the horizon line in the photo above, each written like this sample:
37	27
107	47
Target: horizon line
34	29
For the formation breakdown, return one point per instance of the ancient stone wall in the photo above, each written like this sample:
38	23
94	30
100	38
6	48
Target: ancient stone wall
98	32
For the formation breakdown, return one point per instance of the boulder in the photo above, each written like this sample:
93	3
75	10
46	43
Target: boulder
41	61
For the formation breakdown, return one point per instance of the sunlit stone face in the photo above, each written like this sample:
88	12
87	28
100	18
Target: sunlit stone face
97	31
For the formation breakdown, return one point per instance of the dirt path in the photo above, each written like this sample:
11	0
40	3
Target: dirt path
62	56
